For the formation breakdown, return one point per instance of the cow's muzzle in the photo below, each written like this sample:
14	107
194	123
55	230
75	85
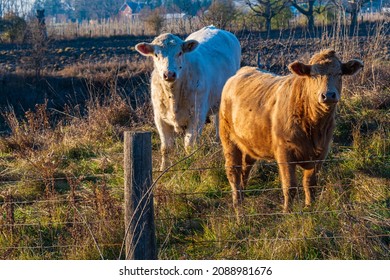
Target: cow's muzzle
329	97
169	76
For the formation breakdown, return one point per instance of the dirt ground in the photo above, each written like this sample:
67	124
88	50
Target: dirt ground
282	44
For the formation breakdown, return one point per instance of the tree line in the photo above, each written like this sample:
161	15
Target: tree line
103	9
268	9
221	13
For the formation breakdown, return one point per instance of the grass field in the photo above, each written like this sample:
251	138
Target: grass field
61	171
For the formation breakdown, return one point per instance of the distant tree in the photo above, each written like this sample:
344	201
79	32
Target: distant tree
18	7
154	18
282	19
107	8
80	9
309	8
267	9
39	43
53	7
152	4
13	28
220	13
188	7
353	7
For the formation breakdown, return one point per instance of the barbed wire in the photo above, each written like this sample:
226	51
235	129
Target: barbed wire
205	168
57	246
43	224
257	190
235	241
217	193
193	216
293	213
40	179
16	202
268	163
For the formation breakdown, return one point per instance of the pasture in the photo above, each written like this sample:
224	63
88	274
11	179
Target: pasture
61	160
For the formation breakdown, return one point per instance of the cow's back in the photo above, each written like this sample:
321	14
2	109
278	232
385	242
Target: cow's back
220	44
217	58
251	106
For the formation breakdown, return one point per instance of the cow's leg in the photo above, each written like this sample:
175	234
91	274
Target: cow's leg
193	132
310	183
288	178
166	133
246	169
189	140
216	123
233	167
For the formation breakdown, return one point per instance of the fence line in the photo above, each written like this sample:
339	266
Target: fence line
296	213
261	163
57	223
303	212
40	201
235	241
40	179
294	238
179	194
268	163
189	215
56	246
249	190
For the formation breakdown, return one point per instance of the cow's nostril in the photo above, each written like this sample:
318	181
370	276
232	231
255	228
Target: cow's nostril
329	97
169	76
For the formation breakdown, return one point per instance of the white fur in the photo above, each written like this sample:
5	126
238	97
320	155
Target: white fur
183	105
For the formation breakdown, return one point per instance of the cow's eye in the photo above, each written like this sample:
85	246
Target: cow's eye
156	55
180	53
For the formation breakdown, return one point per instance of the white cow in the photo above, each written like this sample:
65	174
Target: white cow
187	81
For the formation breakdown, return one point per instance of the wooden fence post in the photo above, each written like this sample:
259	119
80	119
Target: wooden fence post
139	212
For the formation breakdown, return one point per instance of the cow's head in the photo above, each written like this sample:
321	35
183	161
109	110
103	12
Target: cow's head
168	53
325	71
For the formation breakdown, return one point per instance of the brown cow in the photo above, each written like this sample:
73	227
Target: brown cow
287	118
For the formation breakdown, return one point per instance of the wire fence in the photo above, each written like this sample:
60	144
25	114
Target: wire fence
181	216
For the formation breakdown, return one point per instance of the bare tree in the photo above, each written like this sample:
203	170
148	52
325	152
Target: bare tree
39	44
267	9
13	28
17	7
220	13
154	19
353	7
312	7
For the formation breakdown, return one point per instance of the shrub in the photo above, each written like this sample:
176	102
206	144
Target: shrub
220	14
154	19
14	28
39	42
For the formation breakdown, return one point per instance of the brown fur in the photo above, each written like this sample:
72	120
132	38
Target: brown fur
264	116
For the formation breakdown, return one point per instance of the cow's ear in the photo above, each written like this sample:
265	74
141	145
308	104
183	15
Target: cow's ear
145	49
300	68
352	67
190	45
